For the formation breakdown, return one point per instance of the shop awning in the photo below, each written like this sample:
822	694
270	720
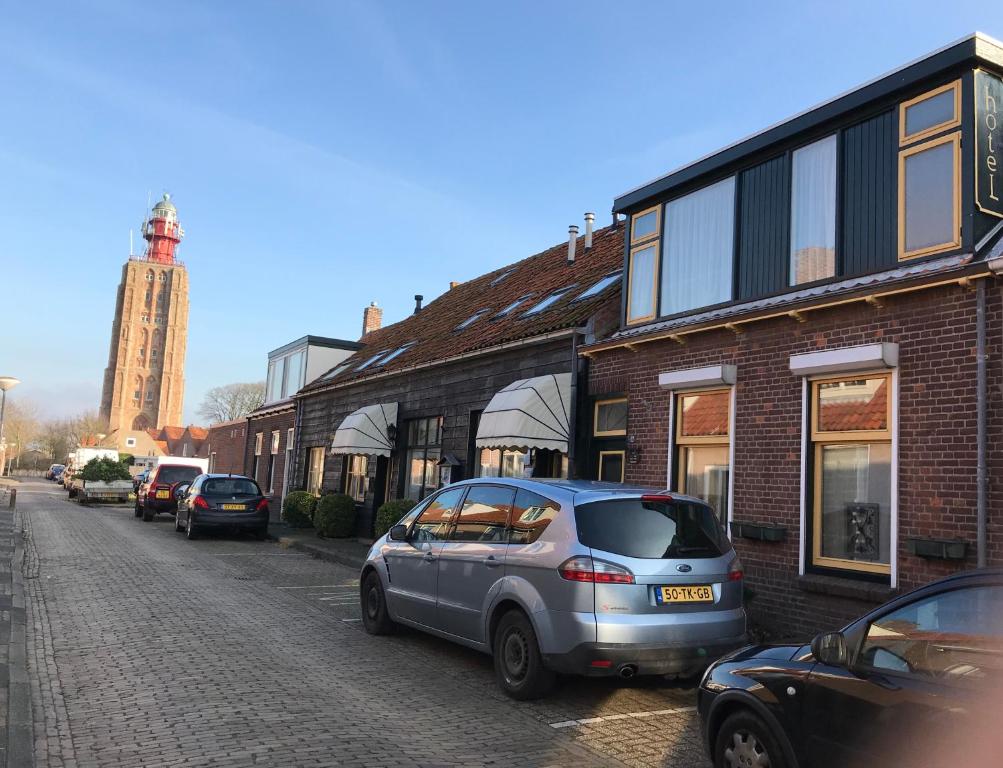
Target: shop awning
366	431
529	413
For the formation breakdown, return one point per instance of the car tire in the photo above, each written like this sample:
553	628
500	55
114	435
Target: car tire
138	511
191	533
148	515
744	739
519	666
375	617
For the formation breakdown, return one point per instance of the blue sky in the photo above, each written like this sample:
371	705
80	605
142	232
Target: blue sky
326	154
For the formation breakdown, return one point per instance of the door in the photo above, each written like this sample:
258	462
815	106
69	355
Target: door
472	560
413	564
916	689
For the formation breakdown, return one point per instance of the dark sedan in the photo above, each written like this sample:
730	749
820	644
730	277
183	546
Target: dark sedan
915	682
230	502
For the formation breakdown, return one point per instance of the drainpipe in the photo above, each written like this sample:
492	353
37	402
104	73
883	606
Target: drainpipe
981	474
573	406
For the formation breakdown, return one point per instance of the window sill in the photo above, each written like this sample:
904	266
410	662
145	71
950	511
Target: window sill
837	586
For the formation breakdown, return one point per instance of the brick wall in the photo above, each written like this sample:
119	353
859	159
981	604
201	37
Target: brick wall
281	421
226	440
936	333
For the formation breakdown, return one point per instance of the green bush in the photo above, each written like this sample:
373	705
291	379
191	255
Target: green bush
297	510
335	516
390	514
106	470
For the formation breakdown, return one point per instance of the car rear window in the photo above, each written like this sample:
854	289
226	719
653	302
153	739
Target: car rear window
171	475
651	529
230	486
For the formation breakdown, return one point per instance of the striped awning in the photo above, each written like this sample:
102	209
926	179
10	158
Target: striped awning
365	431
529	413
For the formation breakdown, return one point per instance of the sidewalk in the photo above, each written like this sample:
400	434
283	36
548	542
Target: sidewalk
15	697
348	552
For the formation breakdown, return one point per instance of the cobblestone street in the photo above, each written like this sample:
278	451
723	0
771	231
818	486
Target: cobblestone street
147	649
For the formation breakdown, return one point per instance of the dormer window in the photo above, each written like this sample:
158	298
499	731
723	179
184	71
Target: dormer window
813	212
599	287
935	111
550	300
472	319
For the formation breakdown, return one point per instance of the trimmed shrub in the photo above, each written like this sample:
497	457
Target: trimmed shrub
298	509
106	470
335	516
388	515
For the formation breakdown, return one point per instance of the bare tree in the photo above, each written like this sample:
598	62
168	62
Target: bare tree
232	401
87	425
21	427
56	439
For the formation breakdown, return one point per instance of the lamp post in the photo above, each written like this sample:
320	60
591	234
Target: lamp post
6	382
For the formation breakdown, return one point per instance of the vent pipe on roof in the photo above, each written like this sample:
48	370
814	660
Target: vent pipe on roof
572	240
590	220
417	302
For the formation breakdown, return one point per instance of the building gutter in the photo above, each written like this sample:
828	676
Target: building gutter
981	473
573	406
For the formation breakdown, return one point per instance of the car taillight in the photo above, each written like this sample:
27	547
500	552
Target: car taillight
735	571
199	503
262	506
594	571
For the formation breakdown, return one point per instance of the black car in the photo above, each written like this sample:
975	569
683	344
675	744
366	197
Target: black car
915	682
221	501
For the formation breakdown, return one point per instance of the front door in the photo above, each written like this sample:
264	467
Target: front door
413	564
472	560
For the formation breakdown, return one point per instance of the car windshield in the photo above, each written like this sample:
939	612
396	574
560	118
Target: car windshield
171	475
230	486
651	529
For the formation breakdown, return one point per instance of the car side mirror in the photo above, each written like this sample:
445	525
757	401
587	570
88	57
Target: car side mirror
830	648
398	533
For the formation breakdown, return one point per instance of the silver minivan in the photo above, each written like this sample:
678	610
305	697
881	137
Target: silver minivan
559	576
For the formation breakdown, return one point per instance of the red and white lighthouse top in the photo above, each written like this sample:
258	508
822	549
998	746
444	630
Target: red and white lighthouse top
162	232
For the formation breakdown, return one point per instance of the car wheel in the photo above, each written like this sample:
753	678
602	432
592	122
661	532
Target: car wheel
190	532
744	740
375	618
138	511
148	515
519	667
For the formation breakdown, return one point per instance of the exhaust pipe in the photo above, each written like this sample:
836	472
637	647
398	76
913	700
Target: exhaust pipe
627	671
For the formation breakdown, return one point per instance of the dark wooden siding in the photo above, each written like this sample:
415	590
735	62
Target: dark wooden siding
869	184
764	215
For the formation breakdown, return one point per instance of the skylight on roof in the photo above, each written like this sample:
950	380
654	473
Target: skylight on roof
511	307
335	372
599	287
502	276
472	319
536	309
399	351
371	360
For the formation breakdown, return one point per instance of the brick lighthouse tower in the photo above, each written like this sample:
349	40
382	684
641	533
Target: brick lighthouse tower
144	383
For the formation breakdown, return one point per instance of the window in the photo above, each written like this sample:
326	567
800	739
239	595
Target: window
229	487
145	318
257	443
270	475
813	212
930	197
610	418
356	477
697	248
153	353
371	360
644	225
531	515
315	470
293	374
472	319
397	352
703	446
149	277
212	462
599	287
852	456
954	636
137	395
501	277
933	112
514	305
642	268
276	372
551	299
275	442
495	462
422	457
611	466
433	523
130	442
484	515
336	371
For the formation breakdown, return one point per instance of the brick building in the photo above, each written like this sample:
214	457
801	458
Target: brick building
225	446
436	397
810	339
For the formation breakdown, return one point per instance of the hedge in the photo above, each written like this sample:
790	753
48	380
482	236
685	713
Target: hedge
297	510
390	514
106	470
335	516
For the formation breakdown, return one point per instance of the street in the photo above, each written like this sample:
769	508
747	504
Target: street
147	649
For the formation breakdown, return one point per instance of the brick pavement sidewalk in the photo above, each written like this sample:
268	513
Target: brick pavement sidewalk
347	552
15	697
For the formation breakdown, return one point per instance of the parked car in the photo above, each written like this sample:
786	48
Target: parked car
156	493
57	474
553	576
231	502
904	685
53	470
139	479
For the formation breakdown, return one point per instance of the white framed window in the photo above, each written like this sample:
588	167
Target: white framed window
130	442
275	441
315	470
703	447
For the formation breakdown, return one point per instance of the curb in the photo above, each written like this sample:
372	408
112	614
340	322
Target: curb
20	737
323	553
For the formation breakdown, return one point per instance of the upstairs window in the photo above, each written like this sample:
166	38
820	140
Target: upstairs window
698	248
935	111
472	319
642	265
599	287
813	212
551	299
335	372
397	352
514	305
502	276
371	360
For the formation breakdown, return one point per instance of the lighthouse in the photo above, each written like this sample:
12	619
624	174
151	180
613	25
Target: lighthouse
162	232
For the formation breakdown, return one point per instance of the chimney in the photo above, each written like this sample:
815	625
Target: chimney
572	240
372	319
590	220
453	284
417	302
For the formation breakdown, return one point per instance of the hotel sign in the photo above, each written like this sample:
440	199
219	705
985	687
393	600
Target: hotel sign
989	143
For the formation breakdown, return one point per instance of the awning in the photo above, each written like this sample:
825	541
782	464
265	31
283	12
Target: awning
529	413
366	430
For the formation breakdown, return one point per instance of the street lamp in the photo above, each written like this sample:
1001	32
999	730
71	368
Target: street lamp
6	382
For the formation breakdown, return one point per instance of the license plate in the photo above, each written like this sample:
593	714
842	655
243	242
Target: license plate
163	494
239	507
684	594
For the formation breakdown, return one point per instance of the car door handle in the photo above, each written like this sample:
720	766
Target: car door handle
490	561
429	557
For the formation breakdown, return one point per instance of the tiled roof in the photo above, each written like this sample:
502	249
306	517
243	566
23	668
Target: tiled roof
434	333
198	433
